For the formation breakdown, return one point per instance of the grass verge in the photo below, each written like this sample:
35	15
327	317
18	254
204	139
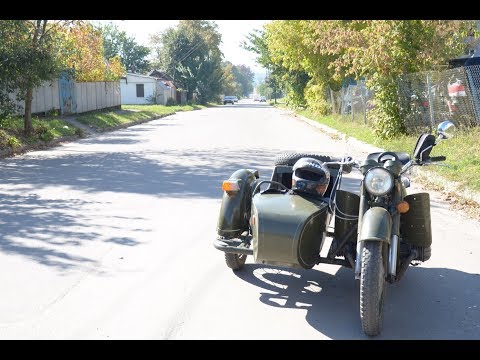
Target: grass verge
462	151
45	129
50	128
103	120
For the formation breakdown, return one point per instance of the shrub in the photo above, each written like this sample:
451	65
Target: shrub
43	132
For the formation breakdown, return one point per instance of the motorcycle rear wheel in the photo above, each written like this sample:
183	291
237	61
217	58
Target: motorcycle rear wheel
235	261
372	287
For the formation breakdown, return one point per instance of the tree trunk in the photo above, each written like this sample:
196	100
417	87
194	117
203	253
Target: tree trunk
28	126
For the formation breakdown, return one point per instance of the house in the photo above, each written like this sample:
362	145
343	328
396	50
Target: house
138	89
180	96
146	89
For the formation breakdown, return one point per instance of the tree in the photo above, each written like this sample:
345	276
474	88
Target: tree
308	57
190	53
244	76
230	86
84	51
117	43
30	53
381	50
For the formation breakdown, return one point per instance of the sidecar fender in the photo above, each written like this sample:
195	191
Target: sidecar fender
235	209
376	225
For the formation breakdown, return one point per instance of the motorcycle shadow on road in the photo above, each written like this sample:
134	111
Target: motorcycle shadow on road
428	303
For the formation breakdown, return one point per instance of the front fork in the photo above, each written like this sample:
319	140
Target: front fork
394	233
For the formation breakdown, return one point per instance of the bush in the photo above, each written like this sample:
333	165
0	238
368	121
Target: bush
315	98
7	140
43	132
13	142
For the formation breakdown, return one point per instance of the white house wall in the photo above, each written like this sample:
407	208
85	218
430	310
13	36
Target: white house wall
129	90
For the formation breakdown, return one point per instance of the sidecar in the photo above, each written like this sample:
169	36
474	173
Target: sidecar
280	227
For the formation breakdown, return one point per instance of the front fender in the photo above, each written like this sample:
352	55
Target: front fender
376	225
235	210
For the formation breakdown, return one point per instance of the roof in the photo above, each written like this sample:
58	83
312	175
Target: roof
140	76
161	74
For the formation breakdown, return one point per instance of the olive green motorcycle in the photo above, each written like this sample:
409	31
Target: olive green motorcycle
378	232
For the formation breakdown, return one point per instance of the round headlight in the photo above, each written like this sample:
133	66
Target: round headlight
378	181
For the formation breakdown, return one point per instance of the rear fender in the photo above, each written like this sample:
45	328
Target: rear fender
235	209
376	225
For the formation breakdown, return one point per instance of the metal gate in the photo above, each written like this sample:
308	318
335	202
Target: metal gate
66	86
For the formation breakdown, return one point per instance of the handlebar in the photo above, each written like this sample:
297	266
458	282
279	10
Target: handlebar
437	158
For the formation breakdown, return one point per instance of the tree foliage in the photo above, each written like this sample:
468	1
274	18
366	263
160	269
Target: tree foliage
237	79
30	53
308	57
244	76
83	45
116	42
230	86
190	53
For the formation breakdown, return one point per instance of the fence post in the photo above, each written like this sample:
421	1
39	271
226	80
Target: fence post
473	91
332	99
430	103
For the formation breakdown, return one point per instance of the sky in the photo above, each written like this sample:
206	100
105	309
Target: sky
233	33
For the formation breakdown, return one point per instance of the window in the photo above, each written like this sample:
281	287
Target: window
140	90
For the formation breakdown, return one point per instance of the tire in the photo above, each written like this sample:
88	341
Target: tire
372	287
291	158
235	261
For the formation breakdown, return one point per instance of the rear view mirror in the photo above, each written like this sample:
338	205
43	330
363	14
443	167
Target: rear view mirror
446	129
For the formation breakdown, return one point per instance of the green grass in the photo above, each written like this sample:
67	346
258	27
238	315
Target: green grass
462	151
130	113
52	127
44	129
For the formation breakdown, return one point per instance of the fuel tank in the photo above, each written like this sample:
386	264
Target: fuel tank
288	229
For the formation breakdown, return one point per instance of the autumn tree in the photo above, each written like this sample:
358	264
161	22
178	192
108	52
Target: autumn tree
117	43
190	53
84	50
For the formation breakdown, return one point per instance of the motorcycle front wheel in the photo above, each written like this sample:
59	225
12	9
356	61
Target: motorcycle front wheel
372	287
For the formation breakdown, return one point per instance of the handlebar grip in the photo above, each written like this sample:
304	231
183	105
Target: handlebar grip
438	158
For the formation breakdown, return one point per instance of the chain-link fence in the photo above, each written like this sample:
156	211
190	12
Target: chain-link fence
428	98
352	102
425	99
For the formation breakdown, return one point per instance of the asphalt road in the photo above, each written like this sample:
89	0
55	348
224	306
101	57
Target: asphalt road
111	237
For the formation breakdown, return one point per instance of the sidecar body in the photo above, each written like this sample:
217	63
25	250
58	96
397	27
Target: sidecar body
278	226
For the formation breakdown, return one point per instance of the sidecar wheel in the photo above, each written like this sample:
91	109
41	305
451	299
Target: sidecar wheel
291	158
235	261
372	287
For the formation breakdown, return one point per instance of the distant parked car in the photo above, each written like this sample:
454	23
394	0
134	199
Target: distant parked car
235	99
263	99
228	100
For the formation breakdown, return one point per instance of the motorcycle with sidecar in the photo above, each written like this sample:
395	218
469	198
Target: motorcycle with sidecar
378	232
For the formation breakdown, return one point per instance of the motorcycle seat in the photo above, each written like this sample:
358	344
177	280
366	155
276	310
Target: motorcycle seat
403	157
